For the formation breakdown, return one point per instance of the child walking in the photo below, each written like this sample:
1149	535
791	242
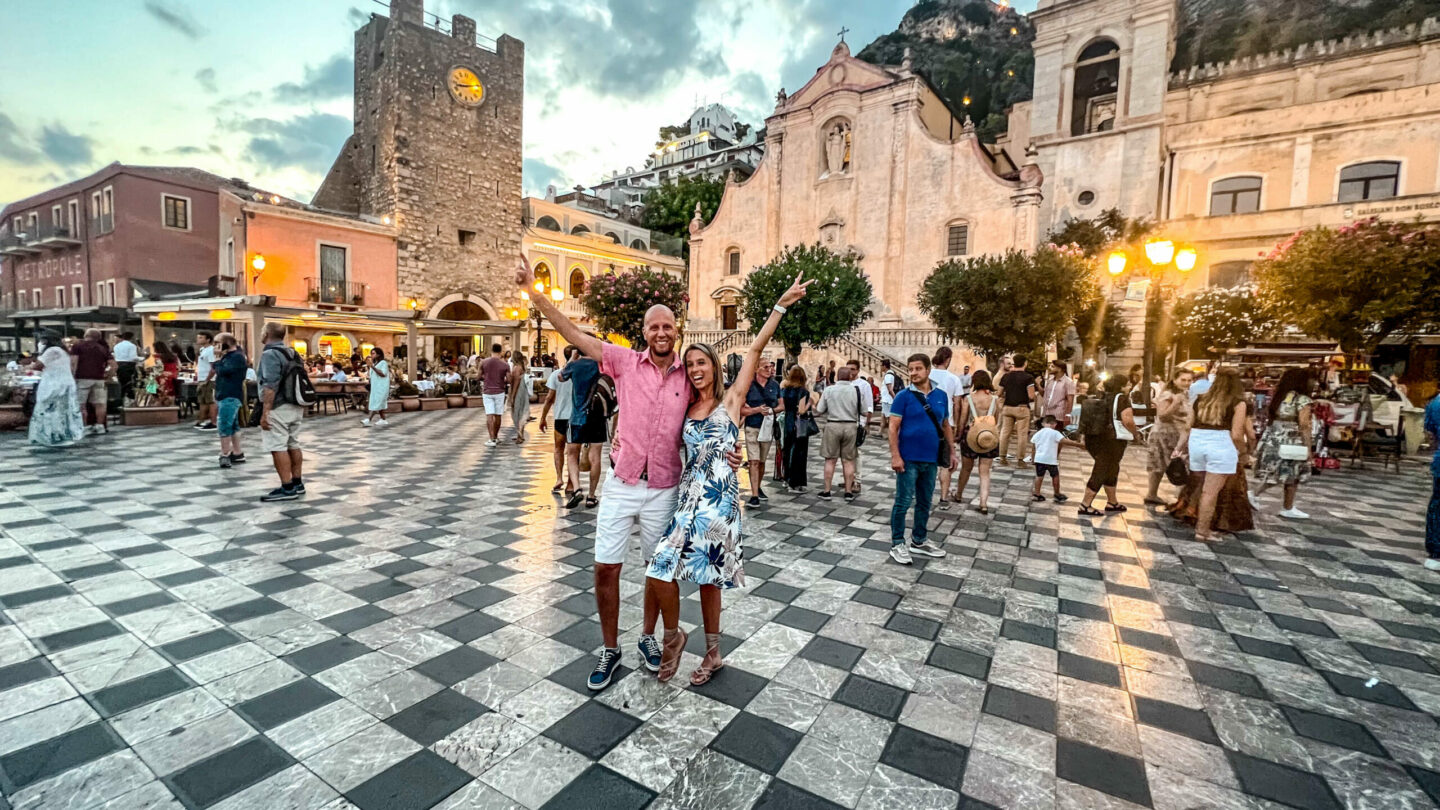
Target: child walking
1048	441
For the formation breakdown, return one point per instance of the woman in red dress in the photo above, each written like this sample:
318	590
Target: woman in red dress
170	366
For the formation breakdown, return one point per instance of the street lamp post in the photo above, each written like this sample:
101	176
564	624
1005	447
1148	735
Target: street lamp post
557	295
1161	255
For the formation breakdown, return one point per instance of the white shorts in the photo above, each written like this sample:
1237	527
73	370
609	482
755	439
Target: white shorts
1213	451
494	404
621	505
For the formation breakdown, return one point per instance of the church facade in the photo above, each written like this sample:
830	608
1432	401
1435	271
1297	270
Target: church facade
865	160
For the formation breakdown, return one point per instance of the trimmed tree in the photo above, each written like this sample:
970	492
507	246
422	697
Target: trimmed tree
835	305
1013	302
1223	317
1358	284
617	303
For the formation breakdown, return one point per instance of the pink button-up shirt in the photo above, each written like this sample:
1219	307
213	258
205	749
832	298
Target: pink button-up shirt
653	402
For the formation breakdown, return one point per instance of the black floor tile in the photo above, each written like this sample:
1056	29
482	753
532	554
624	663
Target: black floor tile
928	757
286	703
731	686
436	716
1028	633
880	599
248	610
1084	610
326	654
379	591
936	580
802	619
1333	730
276	585
421	780
696	644
576	674
958	660
757	742
56	642
1102	770
592	729
1089	669
781	795
1269	649
456	665
58	754
1239	600
1194	618
179	578
1429	781
600	788
1192	723
833	653
136	604
1393	658
778	591
202	644
25	672
113	700
476	624
310	563
581	604
1022	707
1281	783
87	571
1154	642
1297	624
1382	692
399	568
1410	631
1231	680
30	597
980	604
356	618
880	699
917	626
485	596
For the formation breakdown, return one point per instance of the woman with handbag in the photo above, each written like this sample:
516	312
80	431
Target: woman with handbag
1172	419
1106	436
979	437
1287	446
800	425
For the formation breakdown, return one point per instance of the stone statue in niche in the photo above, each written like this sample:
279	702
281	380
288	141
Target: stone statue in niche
837	149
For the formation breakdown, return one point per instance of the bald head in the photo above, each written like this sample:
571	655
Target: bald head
658	311
92	334
660	331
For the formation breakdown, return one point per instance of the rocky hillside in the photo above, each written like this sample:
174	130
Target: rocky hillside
975	53
1221	30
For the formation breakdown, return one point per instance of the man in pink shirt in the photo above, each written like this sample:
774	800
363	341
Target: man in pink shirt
654	394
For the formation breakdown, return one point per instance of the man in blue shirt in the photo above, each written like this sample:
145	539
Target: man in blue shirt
916	434
762	400
1432	518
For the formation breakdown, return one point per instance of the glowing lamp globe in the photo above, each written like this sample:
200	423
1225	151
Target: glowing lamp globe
1160	251
1185	259
1116	263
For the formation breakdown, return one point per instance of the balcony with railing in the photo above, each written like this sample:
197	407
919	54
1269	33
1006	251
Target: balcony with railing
17	245
105	223
57	236
329	292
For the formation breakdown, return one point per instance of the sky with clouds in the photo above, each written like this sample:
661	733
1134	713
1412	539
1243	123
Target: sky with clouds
262	89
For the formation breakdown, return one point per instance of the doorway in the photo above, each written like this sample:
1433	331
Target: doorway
728	317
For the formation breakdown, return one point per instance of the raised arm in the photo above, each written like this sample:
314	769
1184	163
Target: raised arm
741	385
590	345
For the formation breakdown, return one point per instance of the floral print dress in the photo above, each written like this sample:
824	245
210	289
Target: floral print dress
1284	429
702	542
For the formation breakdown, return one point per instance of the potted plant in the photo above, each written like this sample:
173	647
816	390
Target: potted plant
151	406
409	396
474	391
12	407
455	395
433	399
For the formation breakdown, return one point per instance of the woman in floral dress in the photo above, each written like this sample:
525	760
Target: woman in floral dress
702	542
56	421
1290	423
1172	419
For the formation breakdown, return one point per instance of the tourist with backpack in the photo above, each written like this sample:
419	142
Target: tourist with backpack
1107	425
979	437
285	391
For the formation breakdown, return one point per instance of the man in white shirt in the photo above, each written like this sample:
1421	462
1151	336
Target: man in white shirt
966	381
890	385
1202	385
561	398
941	379
127	358
204	385
867	408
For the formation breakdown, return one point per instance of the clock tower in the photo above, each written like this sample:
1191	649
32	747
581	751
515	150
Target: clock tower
437	150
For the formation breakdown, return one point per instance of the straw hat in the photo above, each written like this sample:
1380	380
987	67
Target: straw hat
982	437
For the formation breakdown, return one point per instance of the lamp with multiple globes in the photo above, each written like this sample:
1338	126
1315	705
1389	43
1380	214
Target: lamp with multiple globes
1116	262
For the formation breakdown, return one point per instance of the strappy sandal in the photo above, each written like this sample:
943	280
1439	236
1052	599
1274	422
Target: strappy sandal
555	490
703	673
1116	507
591	502
670	655
1089	511
573	499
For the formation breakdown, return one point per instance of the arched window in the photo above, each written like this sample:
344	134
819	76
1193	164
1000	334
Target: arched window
1235	195
1376	180
957	238
579	229
1229	274
542	274
639	244
577	283
614	237
732	262
547	223
1097	81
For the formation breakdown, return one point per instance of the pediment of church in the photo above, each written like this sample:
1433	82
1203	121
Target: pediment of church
842	71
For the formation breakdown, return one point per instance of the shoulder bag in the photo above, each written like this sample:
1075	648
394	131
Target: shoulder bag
805	424
944	457
1121	432
1295	450
859	418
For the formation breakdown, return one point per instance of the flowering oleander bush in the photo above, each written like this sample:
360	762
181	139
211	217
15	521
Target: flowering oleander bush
617	302
837	303
1223	317
1358	284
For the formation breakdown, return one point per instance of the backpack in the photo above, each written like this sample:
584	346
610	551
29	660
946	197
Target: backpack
295	387
983	435
602	395
1095	417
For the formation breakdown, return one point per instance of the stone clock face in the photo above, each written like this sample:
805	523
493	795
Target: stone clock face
465	86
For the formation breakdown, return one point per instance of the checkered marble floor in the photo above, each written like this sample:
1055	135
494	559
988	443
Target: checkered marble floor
417	632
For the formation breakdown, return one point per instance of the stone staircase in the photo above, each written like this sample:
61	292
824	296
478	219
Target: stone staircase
869	346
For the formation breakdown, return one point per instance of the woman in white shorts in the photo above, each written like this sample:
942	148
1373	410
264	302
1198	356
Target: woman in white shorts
1215	438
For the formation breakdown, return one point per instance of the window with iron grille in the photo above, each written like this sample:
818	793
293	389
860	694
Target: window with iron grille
957	241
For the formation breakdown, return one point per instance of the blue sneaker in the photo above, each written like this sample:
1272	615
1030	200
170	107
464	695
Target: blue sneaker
650	653
604	669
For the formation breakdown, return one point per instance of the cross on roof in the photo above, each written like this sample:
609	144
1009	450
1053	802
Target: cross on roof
843	32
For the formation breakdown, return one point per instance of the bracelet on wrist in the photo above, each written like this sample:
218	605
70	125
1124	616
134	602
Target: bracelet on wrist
780	309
